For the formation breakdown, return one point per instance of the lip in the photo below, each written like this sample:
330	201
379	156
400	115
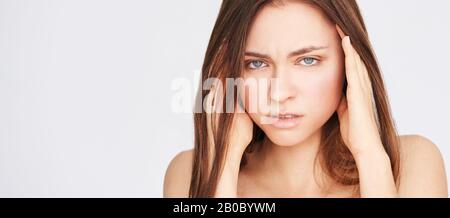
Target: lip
283	120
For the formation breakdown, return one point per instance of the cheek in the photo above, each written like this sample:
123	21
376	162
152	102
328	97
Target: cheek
325	91
246	93
256	86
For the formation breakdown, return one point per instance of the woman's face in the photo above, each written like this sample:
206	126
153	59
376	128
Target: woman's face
296	44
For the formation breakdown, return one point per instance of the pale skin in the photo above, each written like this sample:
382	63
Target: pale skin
285	166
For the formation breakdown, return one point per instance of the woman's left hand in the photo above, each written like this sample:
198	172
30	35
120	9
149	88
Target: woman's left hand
356	110
359	129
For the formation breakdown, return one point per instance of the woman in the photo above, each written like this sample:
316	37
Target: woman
327	130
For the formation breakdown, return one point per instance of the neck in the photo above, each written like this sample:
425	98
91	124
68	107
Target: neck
293	165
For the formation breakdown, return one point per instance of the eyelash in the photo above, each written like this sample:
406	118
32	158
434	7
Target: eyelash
315	61
248	63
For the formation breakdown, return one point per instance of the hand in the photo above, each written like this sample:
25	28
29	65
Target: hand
359	129
240	136
356	111
241	132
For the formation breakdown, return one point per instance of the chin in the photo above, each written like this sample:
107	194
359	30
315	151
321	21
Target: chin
286	138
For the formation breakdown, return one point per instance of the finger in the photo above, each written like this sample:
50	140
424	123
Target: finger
214	104
341	33
364	76
343	39
361	70
352	50
362	73
209	101
210	129
240	108
365	83
350	64
209	118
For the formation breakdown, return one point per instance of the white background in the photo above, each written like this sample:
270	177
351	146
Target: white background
85	87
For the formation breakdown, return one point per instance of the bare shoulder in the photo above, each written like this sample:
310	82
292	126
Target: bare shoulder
178	175
422	170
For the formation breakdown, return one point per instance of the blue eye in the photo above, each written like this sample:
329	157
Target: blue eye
256	65
308	61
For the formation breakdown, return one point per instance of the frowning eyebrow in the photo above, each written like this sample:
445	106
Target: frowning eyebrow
298	52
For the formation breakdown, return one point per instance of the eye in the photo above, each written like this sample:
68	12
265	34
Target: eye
256	64
309	61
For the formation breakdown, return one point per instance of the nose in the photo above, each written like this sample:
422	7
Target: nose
282	87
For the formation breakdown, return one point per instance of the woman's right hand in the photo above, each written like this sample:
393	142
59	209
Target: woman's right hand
240	136
241	132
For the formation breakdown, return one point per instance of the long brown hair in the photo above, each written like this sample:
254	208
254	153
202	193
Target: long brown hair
224	59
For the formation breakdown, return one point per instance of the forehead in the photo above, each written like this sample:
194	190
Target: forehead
290	25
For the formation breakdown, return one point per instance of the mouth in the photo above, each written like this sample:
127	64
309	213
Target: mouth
282	120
